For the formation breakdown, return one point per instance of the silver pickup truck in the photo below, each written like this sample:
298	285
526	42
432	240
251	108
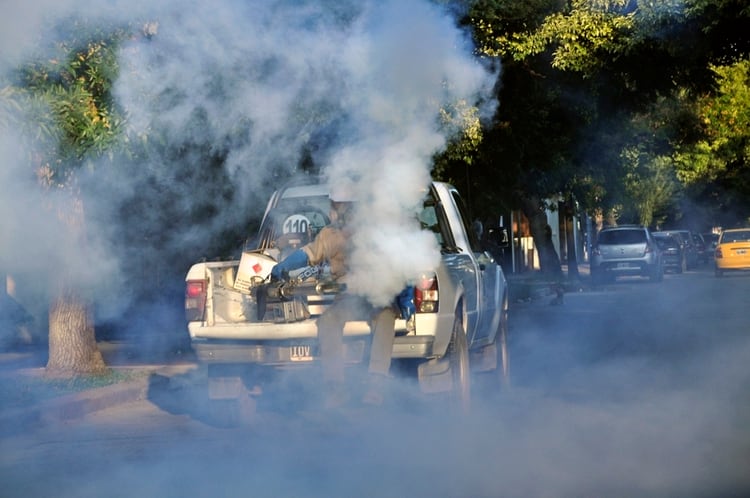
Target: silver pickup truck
241	326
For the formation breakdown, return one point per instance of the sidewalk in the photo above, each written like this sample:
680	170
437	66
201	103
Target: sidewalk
22	372
531	285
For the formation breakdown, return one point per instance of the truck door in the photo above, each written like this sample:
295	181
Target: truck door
485	280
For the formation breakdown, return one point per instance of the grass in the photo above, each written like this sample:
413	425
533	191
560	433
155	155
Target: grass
21	391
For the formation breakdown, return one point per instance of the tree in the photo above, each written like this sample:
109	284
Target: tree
595	95
526	153
717	165
70	120
651	186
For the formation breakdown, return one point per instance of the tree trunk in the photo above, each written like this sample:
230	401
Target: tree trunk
573	273
72	343
568	213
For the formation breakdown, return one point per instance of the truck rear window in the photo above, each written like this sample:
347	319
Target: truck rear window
428	220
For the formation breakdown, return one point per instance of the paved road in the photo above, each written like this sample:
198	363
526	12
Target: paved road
634	389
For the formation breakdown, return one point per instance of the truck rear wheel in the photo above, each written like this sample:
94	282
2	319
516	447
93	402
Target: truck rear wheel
501	341
492	365
458	354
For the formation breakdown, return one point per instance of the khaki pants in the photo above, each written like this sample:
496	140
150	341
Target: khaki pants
331	336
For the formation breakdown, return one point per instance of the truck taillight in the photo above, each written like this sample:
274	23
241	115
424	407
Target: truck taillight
195	299
426	293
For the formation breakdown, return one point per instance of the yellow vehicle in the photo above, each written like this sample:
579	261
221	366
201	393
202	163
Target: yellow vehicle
732	250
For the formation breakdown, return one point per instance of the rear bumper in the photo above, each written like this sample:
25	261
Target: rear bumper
260	331
247	342
300	352
625	268
728	266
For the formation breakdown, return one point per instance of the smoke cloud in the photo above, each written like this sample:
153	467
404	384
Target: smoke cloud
362	83
354	87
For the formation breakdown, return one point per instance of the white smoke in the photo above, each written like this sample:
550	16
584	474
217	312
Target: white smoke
376	74
357	85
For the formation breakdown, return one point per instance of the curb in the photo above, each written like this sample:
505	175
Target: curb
72	406
78	405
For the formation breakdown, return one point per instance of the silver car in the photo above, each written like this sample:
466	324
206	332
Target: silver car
627	250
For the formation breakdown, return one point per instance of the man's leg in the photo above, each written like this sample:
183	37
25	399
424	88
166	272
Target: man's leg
330	336
383	335
331	340
381	352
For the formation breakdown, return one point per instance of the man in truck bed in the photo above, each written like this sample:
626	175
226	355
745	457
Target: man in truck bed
331	245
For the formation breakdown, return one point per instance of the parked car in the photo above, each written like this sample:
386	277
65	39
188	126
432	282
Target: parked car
701	248
688	248
671	251
626	251
732	250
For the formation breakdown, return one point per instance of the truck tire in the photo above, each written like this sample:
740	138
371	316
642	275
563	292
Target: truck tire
458	354
490	382
501	342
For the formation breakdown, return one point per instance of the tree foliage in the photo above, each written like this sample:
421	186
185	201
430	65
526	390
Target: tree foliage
597	95
582	38
69	98
716	166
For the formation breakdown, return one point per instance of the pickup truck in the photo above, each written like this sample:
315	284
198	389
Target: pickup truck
241	326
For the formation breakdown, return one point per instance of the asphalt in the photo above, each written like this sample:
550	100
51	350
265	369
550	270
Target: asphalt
168	364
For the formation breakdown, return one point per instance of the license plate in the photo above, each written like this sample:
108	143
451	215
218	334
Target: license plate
623	265
300	353
741	251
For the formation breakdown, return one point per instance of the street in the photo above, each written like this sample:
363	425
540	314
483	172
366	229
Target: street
631	389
